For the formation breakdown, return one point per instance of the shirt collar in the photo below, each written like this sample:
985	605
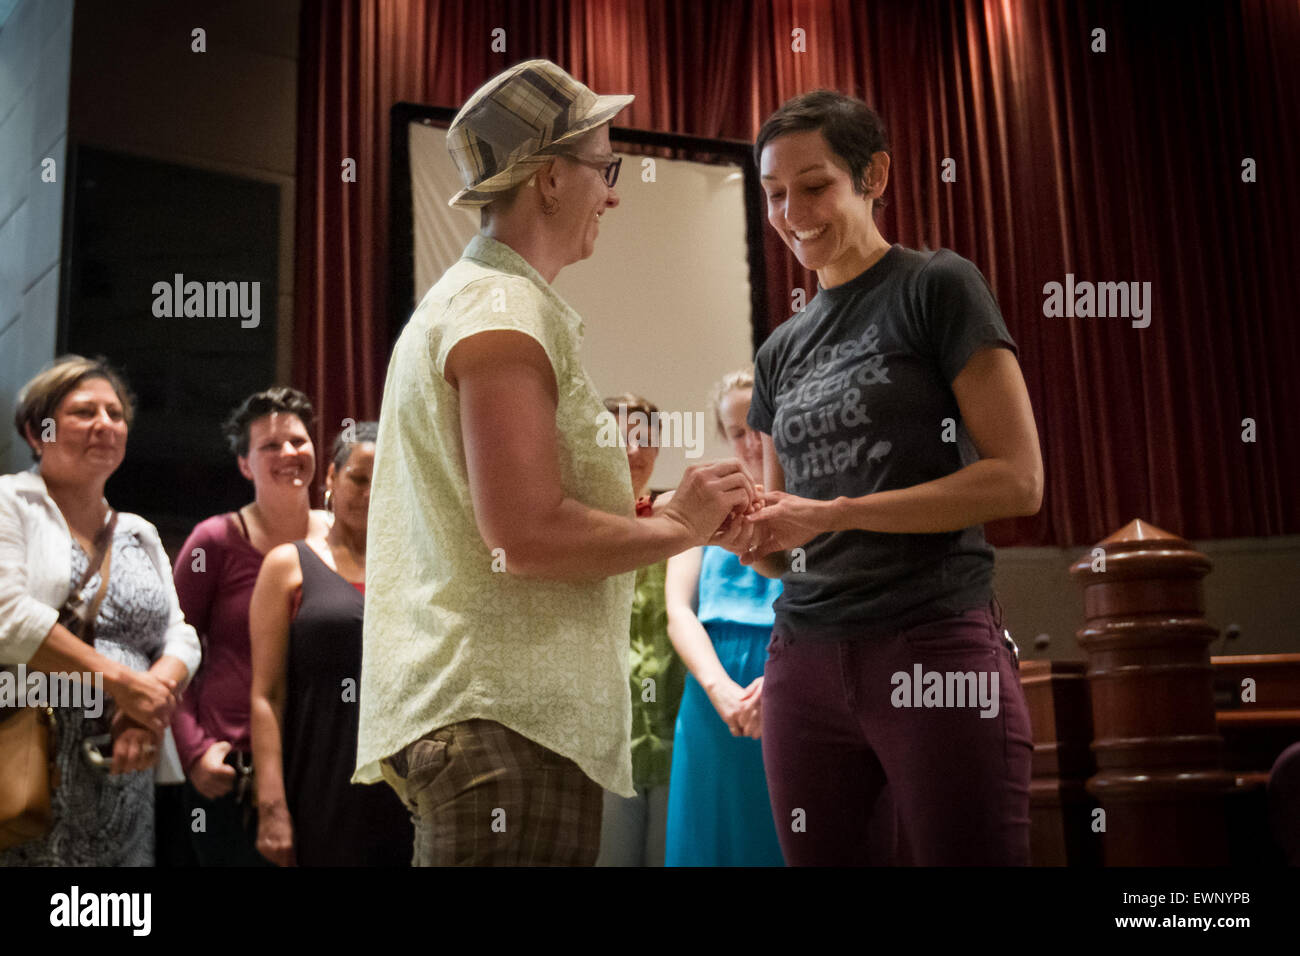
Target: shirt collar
31	482
497	255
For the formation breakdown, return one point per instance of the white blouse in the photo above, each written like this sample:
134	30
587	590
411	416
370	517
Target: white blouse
36	578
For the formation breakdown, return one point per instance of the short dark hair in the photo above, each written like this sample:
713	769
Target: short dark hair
281	398
346	440
635	403
852	129
40	398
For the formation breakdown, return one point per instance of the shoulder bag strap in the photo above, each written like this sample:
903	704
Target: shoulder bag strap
103	558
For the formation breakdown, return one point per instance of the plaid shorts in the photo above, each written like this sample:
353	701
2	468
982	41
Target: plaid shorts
481	794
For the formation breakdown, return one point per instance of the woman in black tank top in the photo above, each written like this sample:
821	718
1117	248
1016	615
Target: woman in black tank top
305	627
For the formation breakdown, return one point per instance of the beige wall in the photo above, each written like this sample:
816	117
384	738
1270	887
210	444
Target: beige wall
138	88
665	316
35	51
1253	584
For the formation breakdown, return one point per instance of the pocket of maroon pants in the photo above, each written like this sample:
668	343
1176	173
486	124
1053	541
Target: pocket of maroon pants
968	633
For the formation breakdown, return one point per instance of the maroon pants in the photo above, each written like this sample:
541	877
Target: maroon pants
897	749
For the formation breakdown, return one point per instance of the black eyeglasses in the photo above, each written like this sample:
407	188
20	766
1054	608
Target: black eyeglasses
608	171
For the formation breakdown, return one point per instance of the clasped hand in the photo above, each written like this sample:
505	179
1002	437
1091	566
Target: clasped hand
707	495
775	521
150	699
741	709
745	519
135	746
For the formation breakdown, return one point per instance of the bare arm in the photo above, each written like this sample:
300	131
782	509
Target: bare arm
508	402
775	564
681	584
268	631
692	642
1006	482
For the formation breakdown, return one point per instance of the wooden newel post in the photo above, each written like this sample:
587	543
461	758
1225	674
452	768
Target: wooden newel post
1160	776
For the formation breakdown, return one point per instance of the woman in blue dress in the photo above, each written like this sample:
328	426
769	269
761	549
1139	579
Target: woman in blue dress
720	620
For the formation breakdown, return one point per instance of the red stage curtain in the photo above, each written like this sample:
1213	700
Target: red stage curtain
1117	166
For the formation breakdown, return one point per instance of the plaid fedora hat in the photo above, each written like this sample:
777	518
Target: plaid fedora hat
498	137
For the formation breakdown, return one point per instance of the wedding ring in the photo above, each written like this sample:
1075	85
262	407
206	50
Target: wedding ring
148	749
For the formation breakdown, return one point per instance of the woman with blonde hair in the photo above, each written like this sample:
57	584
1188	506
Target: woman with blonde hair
720	619
63	549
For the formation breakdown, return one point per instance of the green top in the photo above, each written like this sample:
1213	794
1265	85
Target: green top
450	634
654	705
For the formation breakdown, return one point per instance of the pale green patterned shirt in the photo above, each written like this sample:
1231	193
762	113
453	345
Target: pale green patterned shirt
446	637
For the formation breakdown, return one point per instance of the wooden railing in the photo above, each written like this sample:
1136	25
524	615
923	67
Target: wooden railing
1150	752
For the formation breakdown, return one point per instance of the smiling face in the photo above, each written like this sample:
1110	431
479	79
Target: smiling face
89	435
280	453
746	444
582	193
812	205
350	487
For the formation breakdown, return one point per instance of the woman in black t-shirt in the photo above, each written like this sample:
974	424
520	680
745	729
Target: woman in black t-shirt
895	422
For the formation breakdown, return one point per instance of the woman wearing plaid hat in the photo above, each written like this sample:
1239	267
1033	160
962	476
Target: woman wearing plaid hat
502	530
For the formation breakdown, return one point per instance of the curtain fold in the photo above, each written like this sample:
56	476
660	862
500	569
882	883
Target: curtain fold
1122	166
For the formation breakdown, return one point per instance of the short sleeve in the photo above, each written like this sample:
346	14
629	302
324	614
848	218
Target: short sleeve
761	410
959	314
500	303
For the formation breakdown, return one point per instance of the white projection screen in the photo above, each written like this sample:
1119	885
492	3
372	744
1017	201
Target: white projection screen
665	299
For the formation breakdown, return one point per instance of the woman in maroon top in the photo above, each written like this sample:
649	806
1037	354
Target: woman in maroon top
305	626
215	573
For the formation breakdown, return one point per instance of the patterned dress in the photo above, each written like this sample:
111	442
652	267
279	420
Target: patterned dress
102	819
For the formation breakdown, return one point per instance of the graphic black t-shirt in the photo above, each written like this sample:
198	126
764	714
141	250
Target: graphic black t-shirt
856	394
